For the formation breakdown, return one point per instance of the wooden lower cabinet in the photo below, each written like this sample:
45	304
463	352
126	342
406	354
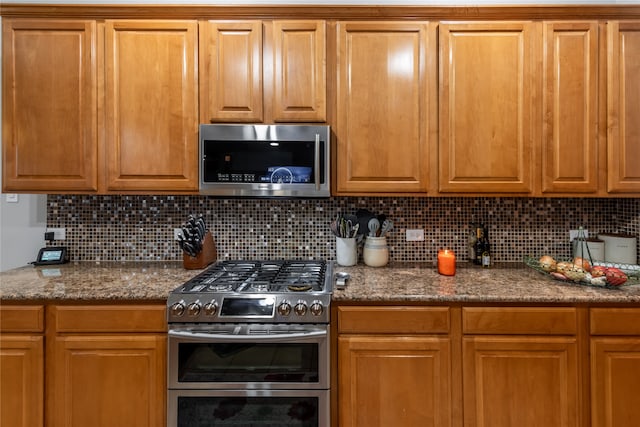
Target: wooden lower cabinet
107	366
615	367
521	381
394	367
21	366
394	381
103	380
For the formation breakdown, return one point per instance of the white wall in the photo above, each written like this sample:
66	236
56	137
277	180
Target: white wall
22	224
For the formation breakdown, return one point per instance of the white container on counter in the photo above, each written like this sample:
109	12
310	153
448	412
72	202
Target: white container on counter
346	251
582	248
620	248
376	252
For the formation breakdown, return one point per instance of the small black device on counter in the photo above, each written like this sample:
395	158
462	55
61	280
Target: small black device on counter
52	255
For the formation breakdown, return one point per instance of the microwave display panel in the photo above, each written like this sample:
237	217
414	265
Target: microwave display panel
283	162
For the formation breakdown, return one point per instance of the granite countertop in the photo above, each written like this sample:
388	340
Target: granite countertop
415	282
510	283
88	281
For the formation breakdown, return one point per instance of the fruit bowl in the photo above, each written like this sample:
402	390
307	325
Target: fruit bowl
601	274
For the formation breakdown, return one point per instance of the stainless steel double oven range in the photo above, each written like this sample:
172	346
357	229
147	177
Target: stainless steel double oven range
249	345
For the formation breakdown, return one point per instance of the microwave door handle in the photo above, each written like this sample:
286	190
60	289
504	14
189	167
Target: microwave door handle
206	336
316	162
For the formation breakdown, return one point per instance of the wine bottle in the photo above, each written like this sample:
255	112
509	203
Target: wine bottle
486	249
478	246
471	242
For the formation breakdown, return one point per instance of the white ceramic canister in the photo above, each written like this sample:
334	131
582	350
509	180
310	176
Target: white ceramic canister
583	248
620	248
376	252
346	251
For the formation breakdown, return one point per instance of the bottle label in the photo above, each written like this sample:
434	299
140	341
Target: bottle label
486	260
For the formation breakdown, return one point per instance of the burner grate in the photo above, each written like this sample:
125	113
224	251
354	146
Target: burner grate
260	276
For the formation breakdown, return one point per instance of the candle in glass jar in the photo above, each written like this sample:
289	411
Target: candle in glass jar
446	262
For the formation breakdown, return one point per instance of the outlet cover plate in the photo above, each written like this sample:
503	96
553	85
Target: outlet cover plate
573	234
415	235
58	233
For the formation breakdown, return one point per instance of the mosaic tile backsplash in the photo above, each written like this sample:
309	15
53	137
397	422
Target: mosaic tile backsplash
140	228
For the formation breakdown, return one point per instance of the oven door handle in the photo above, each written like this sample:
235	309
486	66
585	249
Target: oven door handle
210	336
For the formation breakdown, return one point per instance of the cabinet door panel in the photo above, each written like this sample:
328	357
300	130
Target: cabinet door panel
121	378
151	105
570	141
623	89
382	111
523	381
615	375
394	381
299	50
22	385
231	64
49	105
485	107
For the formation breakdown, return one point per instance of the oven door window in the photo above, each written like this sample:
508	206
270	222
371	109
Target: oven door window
248	411
248	362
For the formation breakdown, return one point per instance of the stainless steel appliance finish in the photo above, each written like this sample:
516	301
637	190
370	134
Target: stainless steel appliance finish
256	160
255	291
249	345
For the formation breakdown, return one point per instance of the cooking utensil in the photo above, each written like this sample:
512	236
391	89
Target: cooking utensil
363	216
387	225
374	226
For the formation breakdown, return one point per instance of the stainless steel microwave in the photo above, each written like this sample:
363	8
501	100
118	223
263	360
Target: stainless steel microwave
255	160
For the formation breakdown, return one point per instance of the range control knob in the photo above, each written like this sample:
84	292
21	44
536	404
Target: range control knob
284	309
316	308
300	308
177	309
211	308
193	309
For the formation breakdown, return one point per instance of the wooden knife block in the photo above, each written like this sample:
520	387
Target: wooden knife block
207	255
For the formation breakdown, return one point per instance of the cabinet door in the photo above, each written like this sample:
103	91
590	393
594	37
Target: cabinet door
485	107
394	381
623	105
108	380
22	380
615	375
151	105
520	381
382	115
299	81
570	127
231	71
49	105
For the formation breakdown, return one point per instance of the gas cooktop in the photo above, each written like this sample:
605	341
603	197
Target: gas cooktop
274	291
260	276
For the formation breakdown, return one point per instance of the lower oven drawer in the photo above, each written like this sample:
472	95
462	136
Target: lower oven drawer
259	408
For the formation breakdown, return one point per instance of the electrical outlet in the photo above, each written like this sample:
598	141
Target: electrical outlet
416	235
177	232
58	233
11	198
573	234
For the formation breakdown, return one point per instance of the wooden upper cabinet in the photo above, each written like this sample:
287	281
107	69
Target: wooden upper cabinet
570	98
623	107
49	105
382	119
299	71
485	105
151	88
231	71
255	71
